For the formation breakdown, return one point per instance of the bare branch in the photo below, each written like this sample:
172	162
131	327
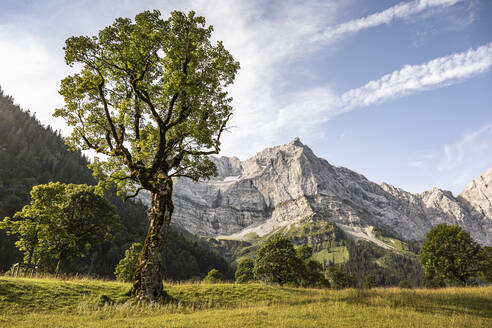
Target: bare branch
123	178
132	196
216	142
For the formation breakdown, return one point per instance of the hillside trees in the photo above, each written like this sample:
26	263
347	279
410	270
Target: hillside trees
486	263
449	253
311	272
151	99
62	221
32	154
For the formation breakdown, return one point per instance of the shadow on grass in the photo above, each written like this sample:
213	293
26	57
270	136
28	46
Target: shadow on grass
424	301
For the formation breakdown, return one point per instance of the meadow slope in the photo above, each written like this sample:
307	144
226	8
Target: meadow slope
92	303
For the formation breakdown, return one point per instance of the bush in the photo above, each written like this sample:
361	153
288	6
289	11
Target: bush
244	272
213	276
125	270
404	284
339	279
370	282
486	263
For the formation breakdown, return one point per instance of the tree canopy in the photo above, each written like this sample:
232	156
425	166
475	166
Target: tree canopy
244	272
213	276
449	253
276	261
62	221
151	99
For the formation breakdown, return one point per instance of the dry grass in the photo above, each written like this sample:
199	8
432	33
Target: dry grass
94	303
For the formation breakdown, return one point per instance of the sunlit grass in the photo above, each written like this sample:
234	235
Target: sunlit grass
94	303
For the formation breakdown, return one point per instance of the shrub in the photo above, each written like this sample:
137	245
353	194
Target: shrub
213	276
125	270
370	282
244	272
339	279
404	284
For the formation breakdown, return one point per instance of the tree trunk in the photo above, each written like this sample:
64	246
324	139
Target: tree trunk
28	264
149	272
61	259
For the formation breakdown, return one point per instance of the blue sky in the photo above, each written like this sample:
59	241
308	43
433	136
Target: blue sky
399	91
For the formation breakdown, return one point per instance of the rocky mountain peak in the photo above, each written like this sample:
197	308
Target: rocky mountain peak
477	196
288	184
296	142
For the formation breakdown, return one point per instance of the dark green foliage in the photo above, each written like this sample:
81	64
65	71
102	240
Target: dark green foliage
449	253
244	272
304	252
404	284
387	266
62	221
339	279
370	282
186	259
213	276
311	272
125	270
486	263
31	154
312	275
276	262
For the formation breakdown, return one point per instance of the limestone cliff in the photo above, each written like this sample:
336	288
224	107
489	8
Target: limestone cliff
288	184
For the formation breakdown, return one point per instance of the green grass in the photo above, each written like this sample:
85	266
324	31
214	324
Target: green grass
336	255
90	303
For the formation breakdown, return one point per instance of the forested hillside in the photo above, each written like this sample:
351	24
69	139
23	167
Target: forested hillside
31	154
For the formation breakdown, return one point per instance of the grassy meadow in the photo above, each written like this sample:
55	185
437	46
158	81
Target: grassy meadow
94	303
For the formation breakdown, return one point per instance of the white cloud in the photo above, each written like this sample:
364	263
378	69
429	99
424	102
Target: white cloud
307	110
264	41
402	10
414	78
464	160
473	147
417	164
29	72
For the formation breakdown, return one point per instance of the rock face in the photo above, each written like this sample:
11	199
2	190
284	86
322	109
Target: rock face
288	184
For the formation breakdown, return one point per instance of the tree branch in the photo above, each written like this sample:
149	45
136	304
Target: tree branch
216	142
132	196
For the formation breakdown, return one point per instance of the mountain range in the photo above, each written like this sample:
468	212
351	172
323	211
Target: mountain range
288	186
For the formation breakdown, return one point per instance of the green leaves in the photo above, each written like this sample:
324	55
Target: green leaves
244	272
276	262
150	98
213	276
62	221
449	253
125	270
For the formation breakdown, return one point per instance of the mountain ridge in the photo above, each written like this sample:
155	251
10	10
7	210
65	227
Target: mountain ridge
289	184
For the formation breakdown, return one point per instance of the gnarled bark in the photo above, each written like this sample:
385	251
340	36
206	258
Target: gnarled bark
149	272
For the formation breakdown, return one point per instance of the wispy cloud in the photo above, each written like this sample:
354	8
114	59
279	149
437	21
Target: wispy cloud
400	11
465	159
323	104
473	146
414	78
